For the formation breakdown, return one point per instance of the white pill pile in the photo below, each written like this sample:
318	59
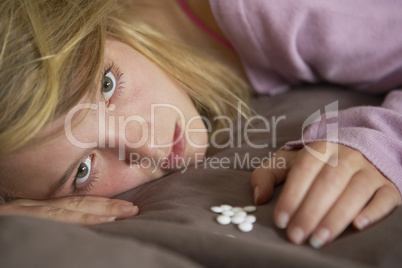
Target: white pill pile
236	215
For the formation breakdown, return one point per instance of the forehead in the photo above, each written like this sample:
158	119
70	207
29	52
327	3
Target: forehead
30	172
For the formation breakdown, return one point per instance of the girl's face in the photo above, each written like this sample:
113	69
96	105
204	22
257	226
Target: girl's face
141	126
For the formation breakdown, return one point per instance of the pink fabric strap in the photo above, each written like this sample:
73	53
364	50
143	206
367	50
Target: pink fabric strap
201	25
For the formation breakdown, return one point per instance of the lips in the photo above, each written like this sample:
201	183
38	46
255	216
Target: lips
174	159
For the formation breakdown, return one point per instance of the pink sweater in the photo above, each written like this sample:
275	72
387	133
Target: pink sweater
356	43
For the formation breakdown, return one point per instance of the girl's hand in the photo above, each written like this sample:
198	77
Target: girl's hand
82	210
318	200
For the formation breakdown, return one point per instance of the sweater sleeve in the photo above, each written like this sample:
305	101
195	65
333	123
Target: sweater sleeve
355	43
281	43
374	131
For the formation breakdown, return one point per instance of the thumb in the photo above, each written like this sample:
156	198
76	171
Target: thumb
271	173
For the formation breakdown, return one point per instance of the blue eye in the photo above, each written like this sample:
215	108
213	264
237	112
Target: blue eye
108	86
83	172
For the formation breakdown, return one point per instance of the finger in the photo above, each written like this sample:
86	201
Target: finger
64	215
322	195
269	174
88	204
98	206
79	198
386	199
356	195
299	179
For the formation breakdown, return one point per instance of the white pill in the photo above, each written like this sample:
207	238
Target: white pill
228	213
216	209
250	219
224	220
226	207
238	219
245	227
237	209
250	209
241	214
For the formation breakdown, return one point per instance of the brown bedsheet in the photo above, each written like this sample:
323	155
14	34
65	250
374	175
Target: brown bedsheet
176	228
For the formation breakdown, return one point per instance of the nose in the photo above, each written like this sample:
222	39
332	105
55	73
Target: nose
133	136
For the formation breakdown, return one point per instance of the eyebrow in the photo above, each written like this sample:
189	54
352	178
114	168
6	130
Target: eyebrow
60	183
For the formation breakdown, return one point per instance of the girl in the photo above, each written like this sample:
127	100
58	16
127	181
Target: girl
145	79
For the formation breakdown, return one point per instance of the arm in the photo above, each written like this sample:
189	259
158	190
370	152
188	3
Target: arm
374	131
353	43
81	210
320	199
288	42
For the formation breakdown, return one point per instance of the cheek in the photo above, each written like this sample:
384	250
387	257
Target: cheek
113	185
118	176
110	185
197	139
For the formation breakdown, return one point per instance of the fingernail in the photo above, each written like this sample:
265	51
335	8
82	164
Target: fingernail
321	237
256	194
362	223
297	235
129	208
107	219
282	220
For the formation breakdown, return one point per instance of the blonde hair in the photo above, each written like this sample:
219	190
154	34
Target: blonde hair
52	53
214	89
